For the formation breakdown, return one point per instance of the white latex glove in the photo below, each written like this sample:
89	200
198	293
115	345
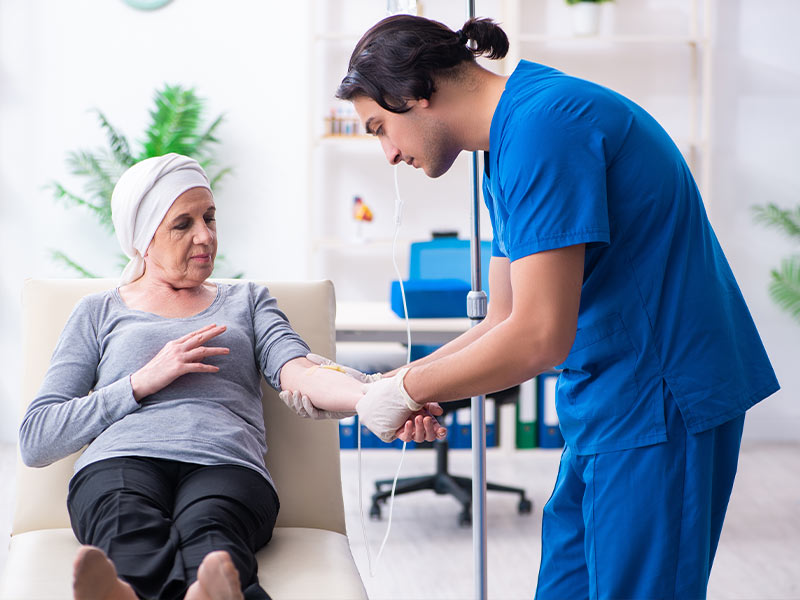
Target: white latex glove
354	373
304	407
386	406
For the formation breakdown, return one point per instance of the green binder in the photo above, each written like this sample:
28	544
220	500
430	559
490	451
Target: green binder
527	429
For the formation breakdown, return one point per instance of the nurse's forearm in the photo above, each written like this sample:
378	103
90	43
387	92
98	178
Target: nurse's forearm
453	346
502	357
329	389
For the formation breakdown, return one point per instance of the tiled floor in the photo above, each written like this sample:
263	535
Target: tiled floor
429	556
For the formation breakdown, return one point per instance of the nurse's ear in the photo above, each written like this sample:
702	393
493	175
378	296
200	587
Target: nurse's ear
421	103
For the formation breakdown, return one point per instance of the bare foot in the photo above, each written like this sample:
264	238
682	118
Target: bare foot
217	579
95	578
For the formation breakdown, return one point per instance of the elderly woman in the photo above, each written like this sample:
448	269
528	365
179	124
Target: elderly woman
160	379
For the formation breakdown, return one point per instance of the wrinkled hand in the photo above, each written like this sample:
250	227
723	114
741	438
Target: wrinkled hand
386	409
176	358
354	373
420	427
301	404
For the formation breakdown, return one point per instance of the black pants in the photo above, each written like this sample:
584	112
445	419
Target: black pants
157	519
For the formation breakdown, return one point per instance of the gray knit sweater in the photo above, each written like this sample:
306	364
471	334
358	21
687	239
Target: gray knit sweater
201	418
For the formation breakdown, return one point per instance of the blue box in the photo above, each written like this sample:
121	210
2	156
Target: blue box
431	298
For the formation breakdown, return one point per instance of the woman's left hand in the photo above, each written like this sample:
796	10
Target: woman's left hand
423	426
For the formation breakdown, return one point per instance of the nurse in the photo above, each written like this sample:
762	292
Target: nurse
604	265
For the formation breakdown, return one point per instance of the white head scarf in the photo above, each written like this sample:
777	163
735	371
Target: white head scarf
142	198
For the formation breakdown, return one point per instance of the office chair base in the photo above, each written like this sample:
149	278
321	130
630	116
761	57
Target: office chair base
442	482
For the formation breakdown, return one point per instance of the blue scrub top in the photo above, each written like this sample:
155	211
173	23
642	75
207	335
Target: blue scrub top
572	162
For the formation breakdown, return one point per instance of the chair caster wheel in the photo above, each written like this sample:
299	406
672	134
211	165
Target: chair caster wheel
525	506
465	519
375	512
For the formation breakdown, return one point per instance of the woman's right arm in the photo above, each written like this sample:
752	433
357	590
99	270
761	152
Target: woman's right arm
66	413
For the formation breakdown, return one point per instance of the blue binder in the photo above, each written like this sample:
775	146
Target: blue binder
459	430
462	428
372	441
549	431
347	432
369	439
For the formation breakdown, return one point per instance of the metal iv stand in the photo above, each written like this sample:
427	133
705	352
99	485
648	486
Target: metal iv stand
476	311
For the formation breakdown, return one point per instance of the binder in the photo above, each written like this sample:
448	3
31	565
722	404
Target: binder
527	428
491	424
462	425
549	432
347	432
449	421
369	439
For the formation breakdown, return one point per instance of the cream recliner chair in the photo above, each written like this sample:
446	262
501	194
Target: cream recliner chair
308	557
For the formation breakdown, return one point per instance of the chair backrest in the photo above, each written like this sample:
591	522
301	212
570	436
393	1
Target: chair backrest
447	258
303	456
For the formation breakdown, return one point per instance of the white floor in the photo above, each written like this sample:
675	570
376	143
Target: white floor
429	556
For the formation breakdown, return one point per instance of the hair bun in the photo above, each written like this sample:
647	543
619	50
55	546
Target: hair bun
490	40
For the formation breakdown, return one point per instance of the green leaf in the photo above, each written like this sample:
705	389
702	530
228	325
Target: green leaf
208	136
61	193
59	256
216	178
785	286
102	171
773	216
176	125
118	142
222	270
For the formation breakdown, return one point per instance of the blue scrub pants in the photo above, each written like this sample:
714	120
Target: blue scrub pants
641	523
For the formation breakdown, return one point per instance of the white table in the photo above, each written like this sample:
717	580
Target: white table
375	322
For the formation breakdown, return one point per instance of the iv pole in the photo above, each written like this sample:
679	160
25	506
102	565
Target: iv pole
476	311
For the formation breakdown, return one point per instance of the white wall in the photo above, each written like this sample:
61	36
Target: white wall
58	59
250	59
756	148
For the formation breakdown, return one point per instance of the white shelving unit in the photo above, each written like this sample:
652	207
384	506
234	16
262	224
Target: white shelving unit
342	166
635	40
657	52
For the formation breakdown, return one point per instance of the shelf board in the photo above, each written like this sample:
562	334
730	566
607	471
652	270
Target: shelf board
352	140
612	39
345	137
368	244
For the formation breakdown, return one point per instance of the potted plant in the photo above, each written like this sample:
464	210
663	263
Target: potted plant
176	125
784	288
585	16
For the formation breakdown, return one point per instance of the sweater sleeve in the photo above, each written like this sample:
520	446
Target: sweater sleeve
67	412
276	342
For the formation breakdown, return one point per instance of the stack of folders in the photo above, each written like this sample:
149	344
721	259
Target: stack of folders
537	421
459	425
348	436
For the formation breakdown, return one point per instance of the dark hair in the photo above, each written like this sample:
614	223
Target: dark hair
399	57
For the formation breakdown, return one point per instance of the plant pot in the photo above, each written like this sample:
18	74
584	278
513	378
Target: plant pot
585	18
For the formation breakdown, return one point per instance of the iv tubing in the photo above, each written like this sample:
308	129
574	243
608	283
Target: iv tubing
398	213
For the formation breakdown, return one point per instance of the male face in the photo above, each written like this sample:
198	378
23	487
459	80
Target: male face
417	137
